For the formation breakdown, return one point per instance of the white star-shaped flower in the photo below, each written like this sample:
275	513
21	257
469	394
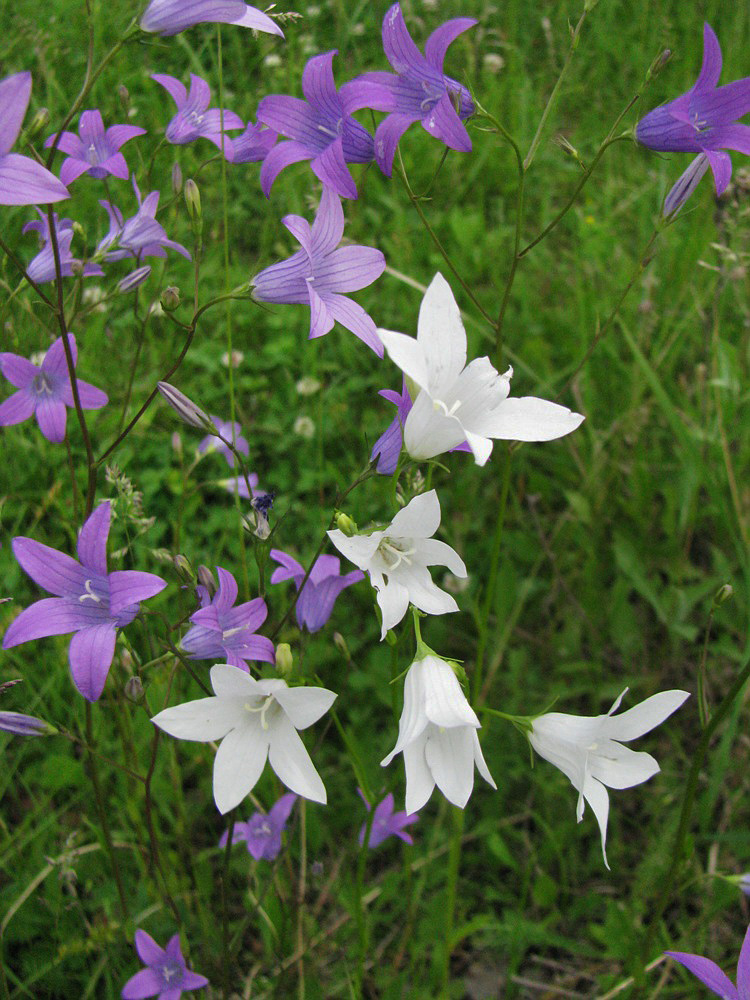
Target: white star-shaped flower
587	751
255	720
459	402
397	559
437	733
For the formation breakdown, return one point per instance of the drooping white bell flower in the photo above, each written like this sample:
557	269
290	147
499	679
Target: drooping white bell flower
437	734
255	720
397	558
589	753
460	402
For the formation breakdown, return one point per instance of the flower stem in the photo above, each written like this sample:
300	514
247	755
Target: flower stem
224	914
360	912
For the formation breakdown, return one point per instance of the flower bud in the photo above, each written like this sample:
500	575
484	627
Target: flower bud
177	444
284	659
25	725
723	594
345	523
124	94
340	643
134	689
193	201
176	178
170	298
134	279
39	123
185	409
184	570
206	579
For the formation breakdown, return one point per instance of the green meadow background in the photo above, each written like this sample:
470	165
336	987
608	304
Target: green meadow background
616	538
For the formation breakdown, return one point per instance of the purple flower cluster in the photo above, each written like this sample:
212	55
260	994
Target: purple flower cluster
42	268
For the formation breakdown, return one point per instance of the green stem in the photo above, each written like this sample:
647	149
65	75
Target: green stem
677	853
555	90
436	240
451	882
489	597
228	980
360	912
102	810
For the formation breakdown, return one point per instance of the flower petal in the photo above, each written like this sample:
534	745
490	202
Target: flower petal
597	797
291	762
18	407
131	586
144	984
708	972
55	361
92	539
50	616
526	418
711	67
393	601
721	167
54	571
743	966
445	704
52	418
351	268
419	519
686	183
450	757
387	137
321	320
174	87
353	317
408	355
304	705
282	155
644	717
15	92
91	398
23	181
318	85
441	335
202	720
19	371
444	124
239	763
231	682
419	780
398	44
148	950
331	170
90	656
437	44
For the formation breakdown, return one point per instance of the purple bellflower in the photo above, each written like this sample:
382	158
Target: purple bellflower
223	632
318	273
89	601
23	181
419	92
194	118
325	583
42	268
45	390
703	121
388	446
139	236
253	145
94	151
229	432
262	832
320	129
711	975
386	823
166	974
169	17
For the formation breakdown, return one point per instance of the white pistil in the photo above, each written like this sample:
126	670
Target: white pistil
262	708
440	405
89	595
400	555
228	633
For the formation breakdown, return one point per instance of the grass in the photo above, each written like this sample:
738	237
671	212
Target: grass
616	538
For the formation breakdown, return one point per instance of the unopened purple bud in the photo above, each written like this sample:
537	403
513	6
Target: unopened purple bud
185	409
176	178
134	279
25	725
177	444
